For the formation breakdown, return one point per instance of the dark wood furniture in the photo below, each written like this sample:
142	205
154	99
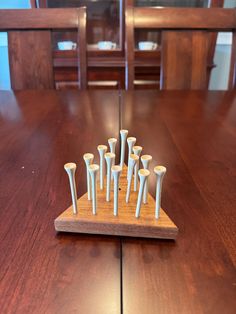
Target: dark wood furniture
184	44
30	47
33	4
109	66
49	272
192	133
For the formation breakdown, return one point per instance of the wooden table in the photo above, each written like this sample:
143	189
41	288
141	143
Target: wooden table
192	133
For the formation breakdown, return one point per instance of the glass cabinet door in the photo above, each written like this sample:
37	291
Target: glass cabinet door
104	18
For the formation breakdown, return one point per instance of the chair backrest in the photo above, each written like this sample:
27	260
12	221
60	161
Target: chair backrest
30	44
33	3
184	43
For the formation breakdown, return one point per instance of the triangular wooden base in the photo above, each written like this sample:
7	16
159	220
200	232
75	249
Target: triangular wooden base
125	224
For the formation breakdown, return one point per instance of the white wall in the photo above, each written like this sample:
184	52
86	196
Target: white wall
14	4
229	3
220	74
4	63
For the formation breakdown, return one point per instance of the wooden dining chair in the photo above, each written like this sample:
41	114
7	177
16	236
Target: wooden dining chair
33	4
184	43
30	44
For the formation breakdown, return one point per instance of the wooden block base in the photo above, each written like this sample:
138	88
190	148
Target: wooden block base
125	224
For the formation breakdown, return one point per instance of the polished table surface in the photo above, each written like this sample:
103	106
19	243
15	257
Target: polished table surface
192	133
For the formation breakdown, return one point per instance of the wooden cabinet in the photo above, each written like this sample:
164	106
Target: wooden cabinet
106	22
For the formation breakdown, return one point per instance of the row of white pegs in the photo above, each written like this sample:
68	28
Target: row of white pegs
114	171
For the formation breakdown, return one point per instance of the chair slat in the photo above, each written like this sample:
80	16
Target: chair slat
30	59
184	60
185	18
40	18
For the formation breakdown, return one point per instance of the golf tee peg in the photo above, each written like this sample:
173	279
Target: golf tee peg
112	144
143	175
116	171
131	142
102	150
110	158
88	158
160	172
137	151
123	136
133	159
93	170
146	159
70	169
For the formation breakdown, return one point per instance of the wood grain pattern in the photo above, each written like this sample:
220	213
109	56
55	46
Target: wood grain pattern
30	59
185	18
11	19
184	66
40	271
125	224
193	135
